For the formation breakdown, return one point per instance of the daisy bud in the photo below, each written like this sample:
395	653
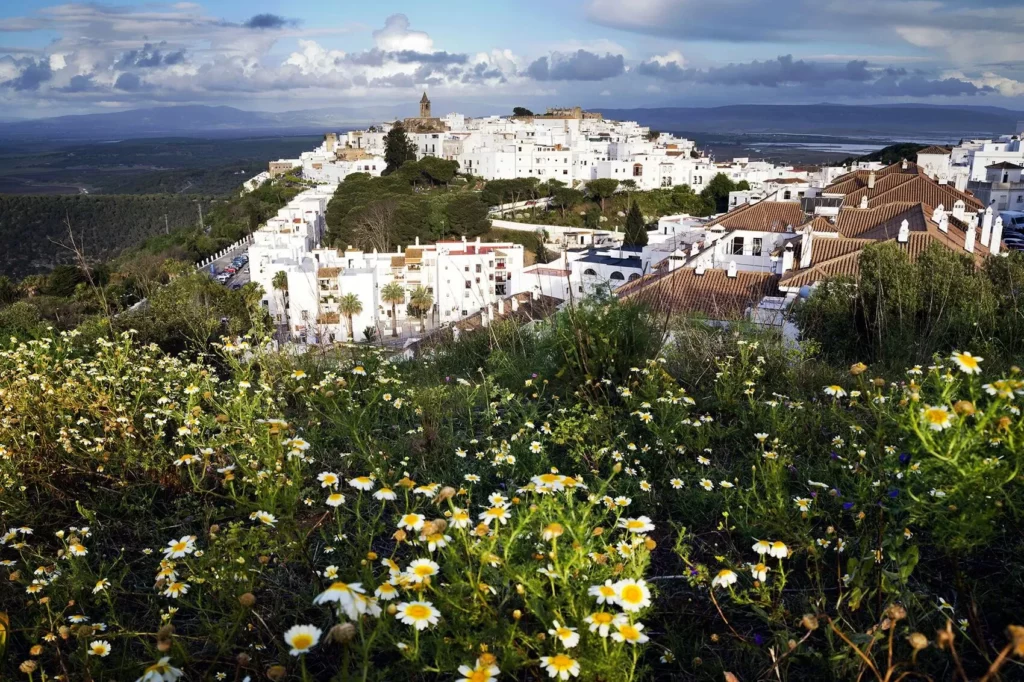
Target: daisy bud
1016	633
343	633
617	468
714	637
277	672
791	644
83	631
214	529
439	525
36	650
517	614
917	641
858	368
964	408
520	589
897	612
28	667
487	659
371	556
243	659
392	609
264	559
64	631
428	529
446	493
247	600
598	532
399	535
650	544
809	621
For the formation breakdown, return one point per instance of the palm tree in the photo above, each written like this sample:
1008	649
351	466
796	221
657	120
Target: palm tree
421	300
280	284
393	293
350	305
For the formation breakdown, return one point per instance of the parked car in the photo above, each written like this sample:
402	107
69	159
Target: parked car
231	269
236	286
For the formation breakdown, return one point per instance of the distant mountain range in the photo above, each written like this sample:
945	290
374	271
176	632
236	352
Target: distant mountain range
898	121
901	121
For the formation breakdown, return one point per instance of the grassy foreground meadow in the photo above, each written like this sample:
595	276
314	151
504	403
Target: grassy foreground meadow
579	502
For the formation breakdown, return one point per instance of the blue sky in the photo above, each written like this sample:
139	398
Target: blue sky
264	54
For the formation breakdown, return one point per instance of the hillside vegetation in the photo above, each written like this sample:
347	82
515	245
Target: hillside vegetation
33	228
575	501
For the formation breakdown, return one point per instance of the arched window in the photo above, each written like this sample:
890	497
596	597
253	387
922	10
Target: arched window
634	276
590	272
638	170
617	276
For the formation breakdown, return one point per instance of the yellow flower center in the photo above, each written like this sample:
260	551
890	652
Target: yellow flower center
302	641
632	594
561	662
564	633
179	546
479	675
936	415
424	570
602	618
417	611
629	632
607	591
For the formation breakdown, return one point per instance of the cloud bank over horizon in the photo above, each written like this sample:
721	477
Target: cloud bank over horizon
644	52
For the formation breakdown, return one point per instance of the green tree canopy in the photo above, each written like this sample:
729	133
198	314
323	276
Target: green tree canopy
602	188
636	230
397	149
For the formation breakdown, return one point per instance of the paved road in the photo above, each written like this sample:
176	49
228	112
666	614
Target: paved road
240	277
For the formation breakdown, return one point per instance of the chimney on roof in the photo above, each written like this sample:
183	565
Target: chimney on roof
969	239
986	226
904	164
515	304
997	237
805	247
501	307
731	272
939	216
694	249
871	180
700	270
959	209
904	234
864	201
484	322
417	241
787	258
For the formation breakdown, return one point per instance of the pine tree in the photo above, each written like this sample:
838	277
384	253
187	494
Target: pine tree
636	231
397	149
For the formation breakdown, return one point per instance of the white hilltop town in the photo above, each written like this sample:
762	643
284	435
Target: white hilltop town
790	230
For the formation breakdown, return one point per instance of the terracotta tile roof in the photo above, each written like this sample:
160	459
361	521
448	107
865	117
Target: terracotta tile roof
713	293
398	261
764	216
934	149
913	188
1005	165
859	178
841	256
818	224
323	273
328	318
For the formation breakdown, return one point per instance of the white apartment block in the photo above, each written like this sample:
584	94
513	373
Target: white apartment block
462	277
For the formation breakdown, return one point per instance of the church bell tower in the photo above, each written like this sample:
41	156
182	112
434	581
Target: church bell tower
424	106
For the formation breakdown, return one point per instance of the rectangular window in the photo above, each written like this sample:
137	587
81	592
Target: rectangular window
756	250
735	246
479	267
468	284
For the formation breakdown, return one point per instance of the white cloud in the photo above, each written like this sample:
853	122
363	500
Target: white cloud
673	57
1007	87
396	36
